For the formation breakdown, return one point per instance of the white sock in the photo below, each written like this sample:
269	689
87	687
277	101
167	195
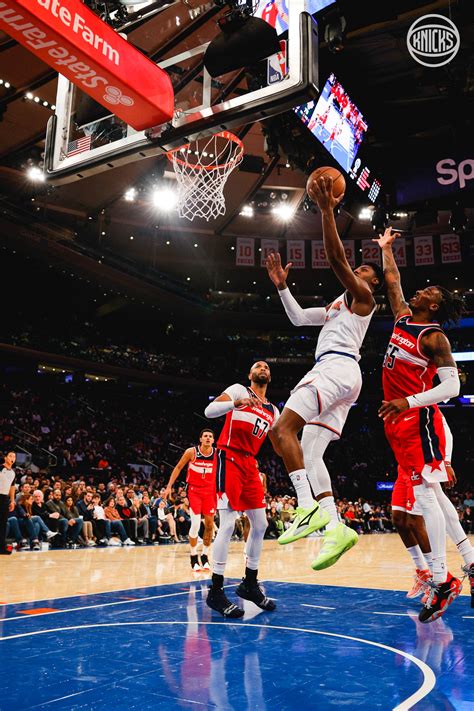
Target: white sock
436	528
302	487
453	526
329	505
429	561
193	549
418	557
258	526
466	550
205	550
221	544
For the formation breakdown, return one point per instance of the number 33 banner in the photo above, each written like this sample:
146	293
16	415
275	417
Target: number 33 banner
424	253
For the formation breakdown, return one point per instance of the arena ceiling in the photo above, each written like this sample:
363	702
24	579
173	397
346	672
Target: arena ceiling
410	108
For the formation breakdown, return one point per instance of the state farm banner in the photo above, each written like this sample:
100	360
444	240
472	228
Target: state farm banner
75	42
371	252
295	253
424	252
268	246
400	251
349	249
450	249
245	256
318	255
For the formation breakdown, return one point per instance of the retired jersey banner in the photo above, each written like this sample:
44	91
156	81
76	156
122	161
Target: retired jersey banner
349	249
295	253
450	249
75	42
371	252
245	256
424	252
267	246
318	255
400	251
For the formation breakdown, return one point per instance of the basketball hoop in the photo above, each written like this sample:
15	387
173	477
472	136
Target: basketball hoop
202	168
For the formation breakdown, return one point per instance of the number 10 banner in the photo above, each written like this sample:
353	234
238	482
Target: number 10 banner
245	256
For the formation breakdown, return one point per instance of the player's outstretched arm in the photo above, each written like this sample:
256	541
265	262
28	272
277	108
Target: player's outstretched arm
185	459
322	194
225	403
298	316
392	274
438	349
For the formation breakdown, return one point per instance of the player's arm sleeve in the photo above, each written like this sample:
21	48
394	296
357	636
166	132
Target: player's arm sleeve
218	408
298	316
448	387
449	441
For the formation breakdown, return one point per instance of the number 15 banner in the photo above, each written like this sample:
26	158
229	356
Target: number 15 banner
295	253
424	253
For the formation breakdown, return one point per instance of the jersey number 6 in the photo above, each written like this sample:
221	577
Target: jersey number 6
260	427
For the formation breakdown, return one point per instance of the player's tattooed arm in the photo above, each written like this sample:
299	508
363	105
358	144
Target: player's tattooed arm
185	459
438	348
392	274
363	300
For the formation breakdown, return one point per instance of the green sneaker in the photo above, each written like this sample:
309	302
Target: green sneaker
306	521
337	541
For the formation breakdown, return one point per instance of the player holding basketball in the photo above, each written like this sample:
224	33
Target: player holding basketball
201	491
321	401
417	351
249	419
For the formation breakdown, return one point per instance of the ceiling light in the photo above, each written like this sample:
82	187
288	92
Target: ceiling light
35	174
366	213
165	199
247	211
130	195
283	212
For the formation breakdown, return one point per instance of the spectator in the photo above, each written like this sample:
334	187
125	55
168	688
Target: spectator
74	525
28	528
111	527
113	514
52	520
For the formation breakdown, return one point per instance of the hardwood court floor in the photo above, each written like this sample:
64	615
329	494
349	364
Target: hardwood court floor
379	561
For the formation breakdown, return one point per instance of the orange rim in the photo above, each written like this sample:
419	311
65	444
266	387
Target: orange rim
171	155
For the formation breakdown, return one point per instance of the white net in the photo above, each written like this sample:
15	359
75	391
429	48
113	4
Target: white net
202	168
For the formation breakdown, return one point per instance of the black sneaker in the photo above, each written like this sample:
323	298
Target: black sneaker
6	551
195	564
217	600
440	598
36	546
469	570
252	590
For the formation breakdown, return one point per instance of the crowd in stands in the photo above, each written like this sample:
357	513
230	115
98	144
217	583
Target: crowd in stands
101	458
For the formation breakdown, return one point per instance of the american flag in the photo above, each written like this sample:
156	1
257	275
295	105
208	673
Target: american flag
78	146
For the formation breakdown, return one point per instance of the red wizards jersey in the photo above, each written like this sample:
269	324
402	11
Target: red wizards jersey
201	469
246	428
406	369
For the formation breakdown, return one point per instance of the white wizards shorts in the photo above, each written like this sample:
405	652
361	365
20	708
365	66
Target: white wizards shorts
325	395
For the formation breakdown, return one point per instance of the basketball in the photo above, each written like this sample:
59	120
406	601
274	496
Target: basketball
338	185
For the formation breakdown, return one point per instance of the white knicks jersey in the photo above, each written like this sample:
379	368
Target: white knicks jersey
343	330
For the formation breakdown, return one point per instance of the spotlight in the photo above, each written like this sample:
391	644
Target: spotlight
35	174
365	213
165	199
458	219
379	219
335	33
130	195
283	212
247	211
